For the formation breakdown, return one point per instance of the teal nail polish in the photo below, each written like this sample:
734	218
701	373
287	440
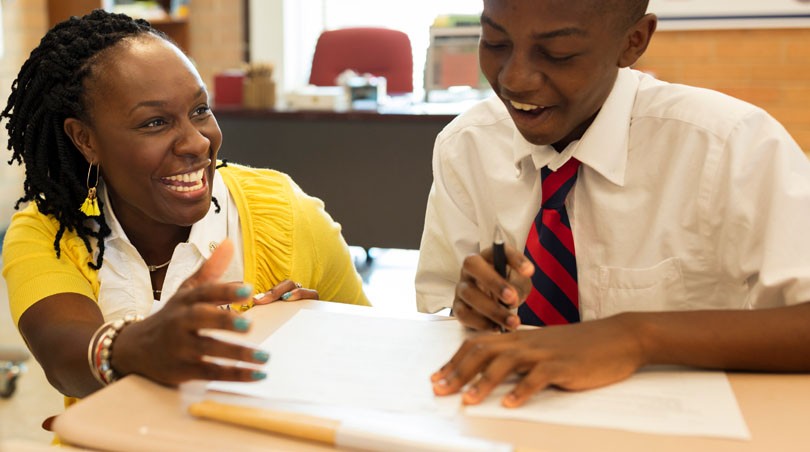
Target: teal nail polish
244	291
258	375
241	324
261	356
286	296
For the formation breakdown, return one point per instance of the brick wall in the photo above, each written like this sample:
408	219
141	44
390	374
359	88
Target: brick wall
769	68
216	35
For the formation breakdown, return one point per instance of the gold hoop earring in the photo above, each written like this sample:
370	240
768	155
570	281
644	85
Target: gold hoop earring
90	205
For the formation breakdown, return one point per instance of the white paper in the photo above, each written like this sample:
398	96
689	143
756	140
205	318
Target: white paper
665	401
354	360
381	363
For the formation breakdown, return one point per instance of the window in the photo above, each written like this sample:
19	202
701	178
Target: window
285	31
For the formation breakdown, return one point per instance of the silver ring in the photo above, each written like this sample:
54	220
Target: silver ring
298	285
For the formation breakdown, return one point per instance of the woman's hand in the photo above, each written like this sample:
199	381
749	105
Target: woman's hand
484	299
167	346
286	290
573	357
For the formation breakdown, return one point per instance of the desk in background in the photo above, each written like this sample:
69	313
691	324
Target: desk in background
373	170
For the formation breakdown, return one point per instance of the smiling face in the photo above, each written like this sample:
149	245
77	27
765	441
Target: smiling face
151	130
554	62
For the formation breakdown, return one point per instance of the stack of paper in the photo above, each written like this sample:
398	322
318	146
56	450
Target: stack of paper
378	363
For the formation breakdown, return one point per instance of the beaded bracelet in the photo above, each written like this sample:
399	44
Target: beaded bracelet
91	349
99	351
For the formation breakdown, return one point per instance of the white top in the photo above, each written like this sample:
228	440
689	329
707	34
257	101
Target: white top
685	199
125	287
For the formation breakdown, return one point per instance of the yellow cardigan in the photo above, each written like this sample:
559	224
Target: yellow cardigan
286	235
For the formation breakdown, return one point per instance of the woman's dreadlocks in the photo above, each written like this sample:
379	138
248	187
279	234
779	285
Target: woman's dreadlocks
48	90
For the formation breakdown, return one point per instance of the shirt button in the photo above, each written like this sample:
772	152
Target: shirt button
212	246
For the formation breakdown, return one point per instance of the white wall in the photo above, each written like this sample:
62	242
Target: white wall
11	182
283	32
731	14
11	177
699	8
1	30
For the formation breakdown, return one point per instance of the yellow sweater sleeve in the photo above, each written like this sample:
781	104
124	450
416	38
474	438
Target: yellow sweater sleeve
31	268
321	254
288	235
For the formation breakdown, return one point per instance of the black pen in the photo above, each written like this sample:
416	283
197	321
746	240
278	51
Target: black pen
499	253
499	259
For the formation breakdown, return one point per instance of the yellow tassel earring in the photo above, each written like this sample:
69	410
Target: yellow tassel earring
90	205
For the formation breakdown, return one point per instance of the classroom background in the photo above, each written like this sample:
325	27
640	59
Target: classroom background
383	152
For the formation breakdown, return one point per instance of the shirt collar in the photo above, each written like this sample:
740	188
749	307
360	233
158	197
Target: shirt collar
209	231
604	145
205	234
116	231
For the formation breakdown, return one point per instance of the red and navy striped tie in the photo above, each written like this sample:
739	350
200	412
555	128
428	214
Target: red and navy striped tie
554	298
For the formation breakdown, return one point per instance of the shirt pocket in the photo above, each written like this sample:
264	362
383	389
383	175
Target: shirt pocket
657	288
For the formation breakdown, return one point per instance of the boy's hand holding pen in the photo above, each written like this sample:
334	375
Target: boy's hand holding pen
487	299
499	261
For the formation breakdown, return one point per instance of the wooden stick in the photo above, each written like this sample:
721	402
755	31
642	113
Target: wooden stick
336	434
291	424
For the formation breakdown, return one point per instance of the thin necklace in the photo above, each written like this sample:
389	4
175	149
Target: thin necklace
153	268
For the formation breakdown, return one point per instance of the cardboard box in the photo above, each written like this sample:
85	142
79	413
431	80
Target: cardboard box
324	98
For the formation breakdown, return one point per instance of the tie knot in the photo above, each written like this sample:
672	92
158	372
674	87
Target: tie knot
557	184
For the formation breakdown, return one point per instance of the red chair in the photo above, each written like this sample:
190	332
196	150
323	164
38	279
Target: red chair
378	51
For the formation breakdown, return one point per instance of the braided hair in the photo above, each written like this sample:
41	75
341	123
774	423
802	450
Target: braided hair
49	89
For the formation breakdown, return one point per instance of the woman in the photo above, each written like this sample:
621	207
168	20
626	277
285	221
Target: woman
131	217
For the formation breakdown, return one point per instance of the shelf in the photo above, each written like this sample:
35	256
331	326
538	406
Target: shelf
177	28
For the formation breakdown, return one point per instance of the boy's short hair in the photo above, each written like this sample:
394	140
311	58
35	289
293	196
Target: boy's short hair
625	12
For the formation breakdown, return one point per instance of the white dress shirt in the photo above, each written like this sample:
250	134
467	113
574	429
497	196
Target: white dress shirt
685	199
125	285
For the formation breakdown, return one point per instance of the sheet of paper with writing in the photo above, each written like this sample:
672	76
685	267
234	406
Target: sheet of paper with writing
384	364
656	400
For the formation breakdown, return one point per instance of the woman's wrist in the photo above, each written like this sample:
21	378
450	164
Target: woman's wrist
101	347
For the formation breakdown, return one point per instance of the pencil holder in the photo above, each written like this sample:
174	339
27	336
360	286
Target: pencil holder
259	87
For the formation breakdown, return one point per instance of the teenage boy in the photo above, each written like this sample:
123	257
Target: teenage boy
661	223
